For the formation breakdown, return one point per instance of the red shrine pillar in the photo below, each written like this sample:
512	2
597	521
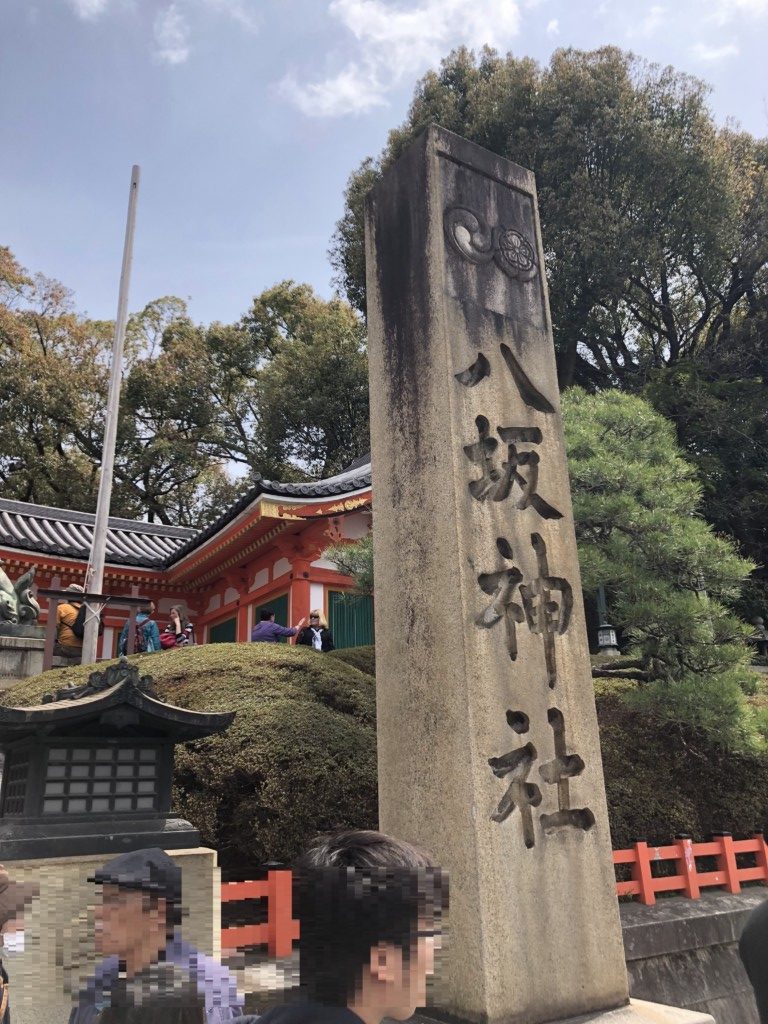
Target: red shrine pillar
299	591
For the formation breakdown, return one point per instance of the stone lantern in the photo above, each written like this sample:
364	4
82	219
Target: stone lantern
89	770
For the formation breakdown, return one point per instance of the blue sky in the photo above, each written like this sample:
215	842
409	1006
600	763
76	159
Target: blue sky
247	117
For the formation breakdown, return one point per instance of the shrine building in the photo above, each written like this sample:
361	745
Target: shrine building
267	551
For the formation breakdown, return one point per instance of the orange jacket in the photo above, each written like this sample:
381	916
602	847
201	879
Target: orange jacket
65	616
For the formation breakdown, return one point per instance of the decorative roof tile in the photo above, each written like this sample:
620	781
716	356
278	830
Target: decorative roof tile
58	531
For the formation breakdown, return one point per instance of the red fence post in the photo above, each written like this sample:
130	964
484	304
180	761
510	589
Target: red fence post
687	863
641	873
726	861
280	913
761	857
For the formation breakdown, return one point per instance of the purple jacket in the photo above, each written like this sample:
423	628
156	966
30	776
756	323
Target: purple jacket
270	632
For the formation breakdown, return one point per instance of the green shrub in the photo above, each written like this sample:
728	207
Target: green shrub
663	777
362	658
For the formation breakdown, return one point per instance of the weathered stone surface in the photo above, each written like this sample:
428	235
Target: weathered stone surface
20	657
488	742
686	952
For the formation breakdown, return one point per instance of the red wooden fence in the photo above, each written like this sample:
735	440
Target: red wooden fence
688	878
280	929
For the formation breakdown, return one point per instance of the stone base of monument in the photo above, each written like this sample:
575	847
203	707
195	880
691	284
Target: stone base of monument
60	952
639	1012
21	656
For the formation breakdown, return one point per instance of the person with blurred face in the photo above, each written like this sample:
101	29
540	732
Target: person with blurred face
370	909
147	966
14	898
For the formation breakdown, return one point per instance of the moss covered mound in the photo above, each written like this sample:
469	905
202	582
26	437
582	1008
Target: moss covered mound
363	658
300	756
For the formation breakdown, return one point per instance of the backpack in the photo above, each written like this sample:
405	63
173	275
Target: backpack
140	639
78	626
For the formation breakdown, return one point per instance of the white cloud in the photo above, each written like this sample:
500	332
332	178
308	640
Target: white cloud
553	27
395	42
354	90
171	36
653	20
726	10
702	51
240	11
89	9
654	17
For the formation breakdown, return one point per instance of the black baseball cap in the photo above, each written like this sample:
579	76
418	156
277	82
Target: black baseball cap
149	870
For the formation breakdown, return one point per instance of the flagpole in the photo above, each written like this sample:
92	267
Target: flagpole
95	583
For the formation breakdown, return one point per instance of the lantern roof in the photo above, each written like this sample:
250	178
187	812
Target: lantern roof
116	698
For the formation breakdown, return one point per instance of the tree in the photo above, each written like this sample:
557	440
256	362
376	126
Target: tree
356	560
53	380
291	384
667	574
284	392
654	220
54	374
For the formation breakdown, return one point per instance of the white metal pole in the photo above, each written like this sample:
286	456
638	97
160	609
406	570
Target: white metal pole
99	548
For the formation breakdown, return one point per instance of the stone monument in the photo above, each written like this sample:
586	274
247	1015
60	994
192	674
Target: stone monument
22	641
488	742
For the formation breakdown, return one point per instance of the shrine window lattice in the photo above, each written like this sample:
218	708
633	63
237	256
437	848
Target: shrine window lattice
16	771
101	779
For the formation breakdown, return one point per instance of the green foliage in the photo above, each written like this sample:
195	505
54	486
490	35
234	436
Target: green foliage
654	219
314	388
719	406
299	758
284	393
665	777
356	560
362	658
668	576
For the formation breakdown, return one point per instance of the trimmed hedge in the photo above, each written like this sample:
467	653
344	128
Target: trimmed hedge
363	658
300	756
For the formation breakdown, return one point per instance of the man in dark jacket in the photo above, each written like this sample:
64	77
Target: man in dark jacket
14	897
753	948
370	910
268	631
144	956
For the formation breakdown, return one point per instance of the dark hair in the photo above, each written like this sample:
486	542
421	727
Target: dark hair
353	890
266	613
145	609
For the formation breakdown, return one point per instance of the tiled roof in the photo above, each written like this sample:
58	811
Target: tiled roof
355	478
60	531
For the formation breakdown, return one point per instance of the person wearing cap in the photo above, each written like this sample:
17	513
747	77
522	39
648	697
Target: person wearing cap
14	898
145	958
68	644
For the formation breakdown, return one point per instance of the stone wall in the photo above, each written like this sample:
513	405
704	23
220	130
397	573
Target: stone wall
685	952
